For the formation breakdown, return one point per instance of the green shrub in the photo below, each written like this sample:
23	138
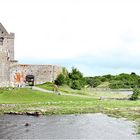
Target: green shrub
75	74
77	81
92	82
115	84
60	80
135	95
76	84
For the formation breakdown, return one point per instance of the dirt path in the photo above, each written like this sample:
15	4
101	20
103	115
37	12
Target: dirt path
41	89
59	93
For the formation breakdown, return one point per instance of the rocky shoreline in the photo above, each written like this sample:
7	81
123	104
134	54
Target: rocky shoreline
36	113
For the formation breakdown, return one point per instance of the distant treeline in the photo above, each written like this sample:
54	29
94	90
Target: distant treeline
75	80
122	80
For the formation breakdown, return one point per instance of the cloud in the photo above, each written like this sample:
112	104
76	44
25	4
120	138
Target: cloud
94	35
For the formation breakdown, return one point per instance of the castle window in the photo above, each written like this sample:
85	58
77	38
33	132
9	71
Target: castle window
1	40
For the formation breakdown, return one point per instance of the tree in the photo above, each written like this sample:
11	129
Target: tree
66	76
76	79
75	74
133	74
93	82
108	77
60	80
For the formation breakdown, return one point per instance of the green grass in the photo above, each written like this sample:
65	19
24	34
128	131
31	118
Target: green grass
86	91
28	96
65	88
104	85
27	100
24	95
31	96
47	86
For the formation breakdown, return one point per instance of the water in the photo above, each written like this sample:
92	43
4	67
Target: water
86	126
123	91
129	92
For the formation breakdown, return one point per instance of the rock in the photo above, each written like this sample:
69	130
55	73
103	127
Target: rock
27	124
14	113
102	98
33	113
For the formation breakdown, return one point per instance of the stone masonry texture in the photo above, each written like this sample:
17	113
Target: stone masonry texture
12	73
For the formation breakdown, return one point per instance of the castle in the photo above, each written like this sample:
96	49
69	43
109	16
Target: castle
14	74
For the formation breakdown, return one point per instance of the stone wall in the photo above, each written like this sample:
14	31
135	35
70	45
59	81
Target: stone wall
7	41
10	45
6	55
42	73
12	73
4	68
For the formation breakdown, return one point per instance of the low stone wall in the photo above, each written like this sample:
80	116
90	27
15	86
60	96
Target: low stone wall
42	73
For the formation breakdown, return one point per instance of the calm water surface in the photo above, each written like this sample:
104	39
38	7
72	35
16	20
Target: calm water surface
86	126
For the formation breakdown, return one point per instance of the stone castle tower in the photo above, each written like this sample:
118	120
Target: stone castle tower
6	55
12	73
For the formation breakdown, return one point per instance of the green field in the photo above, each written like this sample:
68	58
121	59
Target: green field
27	100
85	91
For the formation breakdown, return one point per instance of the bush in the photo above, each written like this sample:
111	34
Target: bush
75	74
135	95
77	81
76	84
92	82
60	80
115	84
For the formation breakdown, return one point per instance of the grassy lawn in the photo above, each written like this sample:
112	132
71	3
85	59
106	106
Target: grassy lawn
86	91
47	86
27	100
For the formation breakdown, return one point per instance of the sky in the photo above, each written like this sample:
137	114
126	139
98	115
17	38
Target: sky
96	36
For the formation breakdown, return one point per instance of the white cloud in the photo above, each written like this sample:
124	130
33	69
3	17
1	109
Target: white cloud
69	29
